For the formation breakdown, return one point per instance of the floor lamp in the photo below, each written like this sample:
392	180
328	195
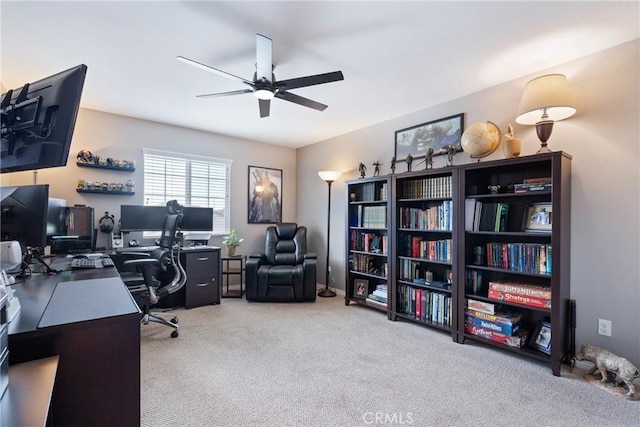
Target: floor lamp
328	177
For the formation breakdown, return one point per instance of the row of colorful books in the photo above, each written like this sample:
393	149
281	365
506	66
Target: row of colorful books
486	216
371	216
431	218
525	294
418	247
368	242
370	192
522	257
425	305
427	188
484	320
379	296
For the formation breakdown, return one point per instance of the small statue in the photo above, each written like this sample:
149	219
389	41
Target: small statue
376	171
363	169
409	161
494	189
393	165
429	159
606	361
451	151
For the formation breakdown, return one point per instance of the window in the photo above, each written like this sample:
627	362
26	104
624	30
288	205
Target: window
191	180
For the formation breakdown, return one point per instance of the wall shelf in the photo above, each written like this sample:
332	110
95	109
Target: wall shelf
99	166
108	192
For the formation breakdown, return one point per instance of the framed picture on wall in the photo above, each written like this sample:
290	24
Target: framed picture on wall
265	195
438	135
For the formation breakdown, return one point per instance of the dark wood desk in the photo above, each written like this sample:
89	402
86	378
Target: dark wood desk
89	319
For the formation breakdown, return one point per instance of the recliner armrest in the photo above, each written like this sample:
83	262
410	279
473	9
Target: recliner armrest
258	256
310	255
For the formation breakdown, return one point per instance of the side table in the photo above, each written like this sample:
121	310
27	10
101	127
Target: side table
233	266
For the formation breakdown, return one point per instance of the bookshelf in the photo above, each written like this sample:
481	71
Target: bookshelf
488	228
424	248
518	247
368	243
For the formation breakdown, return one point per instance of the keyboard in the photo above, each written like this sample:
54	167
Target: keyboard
79	263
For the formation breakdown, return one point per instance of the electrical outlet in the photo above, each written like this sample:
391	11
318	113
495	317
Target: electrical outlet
604	327
329	269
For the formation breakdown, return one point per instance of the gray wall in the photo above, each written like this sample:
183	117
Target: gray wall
123	137
603	138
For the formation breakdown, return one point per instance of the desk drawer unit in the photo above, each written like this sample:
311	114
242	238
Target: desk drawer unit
203	278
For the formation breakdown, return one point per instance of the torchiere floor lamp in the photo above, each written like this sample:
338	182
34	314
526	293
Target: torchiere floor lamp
328	177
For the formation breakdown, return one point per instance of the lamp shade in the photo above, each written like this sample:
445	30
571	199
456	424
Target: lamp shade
548	94
329	176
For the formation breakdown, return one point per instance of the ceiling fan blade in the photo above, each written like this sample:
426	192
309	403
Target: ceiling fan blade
233	92
264	62
213	70
288	96
265	106
310	80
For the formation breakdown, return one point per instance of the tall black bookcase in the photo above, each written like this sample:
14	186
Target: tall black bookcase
368	242
423	224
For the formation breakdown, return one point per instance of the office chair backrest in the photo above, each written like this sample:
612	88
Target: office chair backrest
170	226
286	243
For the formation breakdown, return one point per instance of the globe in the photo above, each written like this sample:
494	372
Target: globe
481	139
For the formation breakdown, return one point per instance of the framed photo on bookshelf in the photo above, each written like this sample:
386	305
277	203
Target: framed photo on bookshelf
541	339
537	217
438	134
360	287
265	195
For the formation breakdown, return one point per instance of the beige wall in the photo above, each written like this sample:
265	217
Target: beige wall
123	137
603	138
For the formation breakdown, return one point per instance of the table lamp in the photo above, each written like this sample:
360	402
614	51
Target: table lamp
545	100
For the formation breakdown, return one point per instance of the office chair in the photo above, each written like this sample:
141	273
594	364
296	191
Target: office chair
159	273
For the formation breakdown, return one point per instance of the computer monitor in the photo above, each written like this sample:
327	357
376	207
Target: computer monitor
56	217
24	212
197	219
141	218
38	120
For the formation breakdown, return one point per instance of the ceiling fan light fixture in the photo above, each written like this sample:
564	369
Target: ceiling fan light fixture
264	94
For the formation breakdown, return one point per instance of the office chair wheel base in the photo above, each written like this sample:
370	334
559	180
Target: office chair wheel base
174	320
174	334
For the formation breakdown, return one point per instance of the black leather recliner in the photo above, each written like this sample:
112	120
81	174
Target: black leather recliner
285	272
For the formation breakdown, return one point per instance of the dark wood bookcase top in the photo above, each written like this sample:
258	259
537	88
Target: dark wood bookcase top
428	220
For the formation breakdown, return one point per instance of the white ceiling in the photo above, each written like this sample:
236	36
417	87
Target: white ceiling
397	57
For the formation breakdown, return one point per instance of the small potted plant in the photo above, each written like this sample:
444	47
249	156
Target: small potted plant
232	241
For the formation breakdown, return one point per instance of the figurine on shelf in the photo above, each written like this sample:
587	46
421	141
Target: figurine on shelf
494	189
82	184
129	185
120	186
409	160
451	151
429	159
363	170
85	156
393	165
376	171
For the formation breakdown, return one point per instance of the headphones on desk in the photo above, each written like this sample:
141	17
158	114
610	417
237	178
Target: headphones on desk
107	222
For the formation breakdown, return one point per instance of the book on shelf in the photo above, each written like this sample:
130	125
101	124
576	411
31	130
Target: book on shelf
539	180
481	306
376	302
518	341
474	281
522	257
514	298
502	316
503	328
530	188
427	188
537	291
502	214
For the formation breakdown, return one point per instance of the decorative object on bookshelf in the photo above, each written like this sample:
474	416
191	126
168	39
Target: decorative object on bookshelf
545	100
360	287
481	139
376	171
478	254
511	145
265	195
362	169
541	338
493	189
393	165
438	134
428	160
538	217
329	177
409	160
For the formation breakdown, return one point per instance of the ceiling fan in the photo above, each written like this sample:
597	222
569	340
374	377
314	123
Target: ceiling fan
264	85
